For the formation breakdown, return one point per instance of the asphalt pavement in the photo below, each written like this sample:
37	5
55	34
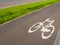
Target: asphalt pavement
16	32
57	41
9	3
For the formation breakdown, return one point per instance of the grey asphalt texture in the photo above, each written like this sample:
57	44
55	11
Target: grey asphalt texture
57	41
5	1
16	32
9	3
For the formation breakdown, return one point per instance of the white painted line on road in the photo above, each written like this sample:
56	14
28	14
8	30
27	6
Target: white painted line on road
57	41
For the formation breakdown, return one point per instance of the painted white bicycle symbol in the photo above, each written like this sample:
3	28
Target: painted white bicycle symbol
44	29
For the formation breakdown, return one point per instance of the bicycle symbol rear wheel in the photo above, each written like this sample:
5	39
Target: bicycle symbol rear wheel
36	26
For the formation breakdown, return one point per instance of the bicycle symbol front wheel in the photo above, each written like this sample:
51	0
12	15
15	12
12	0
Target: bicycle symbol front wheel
46	31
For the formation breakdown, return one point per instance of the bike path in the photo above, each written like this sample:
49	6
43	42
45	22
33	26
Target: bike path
10	3
57	41
16	32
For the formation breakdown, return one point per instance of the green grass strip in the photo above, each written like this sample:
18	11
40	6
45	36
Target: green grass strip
8	14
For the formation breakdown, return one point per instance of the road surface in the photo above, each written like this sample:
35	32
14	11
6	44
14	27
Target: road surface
5	1
16	32
57	41
9	3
